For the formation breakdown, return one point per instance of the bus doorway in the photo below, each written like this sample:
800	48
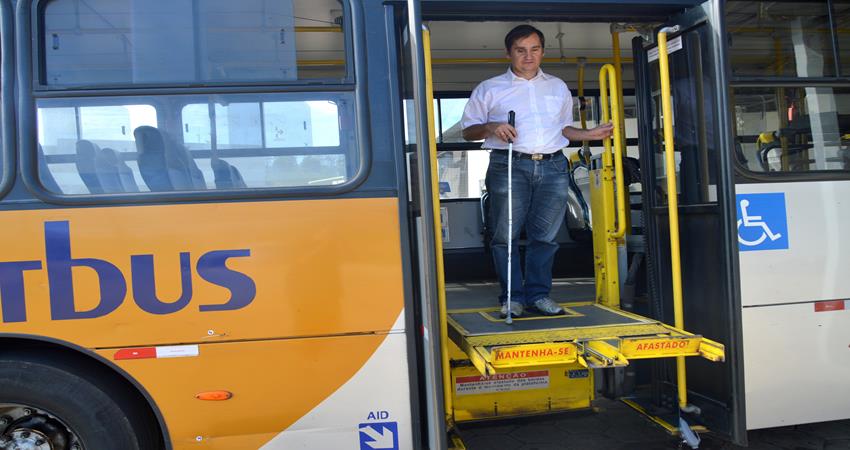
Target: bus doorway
542	364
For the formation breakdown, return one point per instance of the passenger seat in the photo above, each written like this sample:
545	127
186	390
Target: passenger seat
86	154
113	172
226	175
166	165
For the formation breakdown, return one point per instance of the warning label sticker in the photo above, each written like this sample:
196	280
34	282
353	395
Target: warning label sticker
562	352
502	382
634	348
672	46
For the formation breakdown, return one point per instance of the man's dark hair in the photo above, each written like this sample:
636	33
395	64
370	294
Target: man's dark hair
521	32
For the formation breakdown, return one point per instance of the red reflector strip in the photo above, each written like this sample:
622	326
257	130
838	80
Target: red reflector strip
831	305
166	351
135	353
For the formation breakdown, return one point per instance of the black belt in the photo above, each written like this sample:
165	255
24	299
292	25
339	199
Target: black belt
531	156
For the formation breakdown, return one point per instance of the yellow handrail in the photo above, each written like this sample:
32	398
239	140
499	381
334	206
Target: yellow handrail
461	61
608	76
502	60
449	61
438	237
672	208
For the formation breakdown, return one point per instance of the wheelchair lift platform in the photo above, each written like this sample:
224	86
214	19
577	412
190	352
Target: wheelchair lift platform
591	334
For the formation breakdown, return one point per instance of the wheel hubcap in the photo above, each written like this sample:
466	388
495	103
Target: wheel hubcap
27	439
27	428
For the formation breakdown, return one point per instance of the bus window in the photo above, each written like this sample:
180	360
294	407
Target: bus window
451	111
462	164
461	172
274	143
220	142
793	129
183	41
72	137
791	39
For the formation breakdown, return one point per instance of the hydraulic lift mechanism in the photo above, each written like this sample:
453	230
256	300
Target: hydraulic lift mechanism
595	333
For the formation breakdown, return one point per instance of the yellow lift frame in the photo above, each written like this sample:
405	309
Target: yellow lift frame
612	341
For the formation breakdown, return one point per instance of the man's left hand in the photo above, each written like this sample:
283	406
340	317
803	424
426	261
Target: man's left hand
594	134
600	132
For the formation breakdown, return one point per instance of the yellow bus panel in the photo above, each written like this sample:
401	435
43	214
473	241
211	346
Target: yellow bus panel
165	274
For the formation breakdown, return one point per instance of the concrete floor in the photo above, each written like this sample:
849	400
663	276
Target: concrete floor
615	426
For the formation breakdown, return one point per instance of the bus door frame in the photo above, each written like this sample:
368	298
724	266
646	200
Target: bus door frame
714	313
432	350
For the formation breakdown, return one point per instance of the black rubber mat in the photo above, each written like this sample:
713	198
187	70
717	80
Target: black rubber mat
488	322
486	294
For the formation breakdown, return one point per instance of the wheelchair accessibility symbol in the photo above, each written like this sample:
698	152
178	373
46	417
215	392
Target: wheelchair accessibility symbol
762	222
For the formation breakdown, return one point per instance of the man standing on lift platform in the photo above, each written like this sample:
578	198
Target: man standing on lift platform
544	117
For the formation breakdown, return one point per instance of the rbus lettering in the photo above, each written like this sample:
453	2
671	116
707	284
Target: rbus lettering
12	289
212	267
144	285
112	284
113	288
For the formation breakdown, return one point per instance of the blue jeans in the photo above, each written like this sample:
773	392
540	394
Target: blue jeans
540	190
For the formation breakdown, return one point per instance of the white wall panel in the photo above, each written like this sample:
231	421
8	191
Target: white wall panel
797	364
817	263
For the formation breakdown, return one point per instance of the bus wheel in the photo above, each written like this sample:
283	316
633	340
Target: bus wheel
28	428
49	407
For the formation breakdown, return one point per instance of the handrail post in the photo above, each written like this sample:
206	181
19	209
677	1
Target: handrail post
438	238
672	205
432	337
609	75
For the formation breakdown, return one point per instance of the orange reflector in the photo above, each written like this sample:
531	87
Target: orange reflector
215	396
830	305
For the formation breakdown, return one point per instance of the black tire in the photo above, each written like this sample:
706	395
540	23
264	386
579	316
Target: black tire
100	414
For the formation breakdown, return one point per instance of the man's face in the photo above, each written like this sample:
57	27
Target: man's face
526	54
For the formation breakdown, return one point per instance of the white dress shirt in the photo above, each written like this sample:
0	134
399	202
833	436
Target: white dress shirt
543	106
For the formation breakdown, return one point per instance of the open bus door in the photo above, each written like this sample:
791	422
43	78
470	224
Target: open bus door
461	343
701	125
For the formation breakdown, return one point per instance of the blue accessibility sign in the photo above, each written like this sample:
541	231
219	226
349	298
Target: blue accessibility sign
379	436
762	221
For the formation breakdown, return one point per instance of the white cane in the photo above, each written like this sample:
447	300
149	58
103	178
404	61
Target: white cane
511	121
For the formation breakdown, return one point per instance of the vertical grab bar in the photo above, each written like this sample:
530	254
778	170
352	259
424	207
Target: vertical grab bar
608	75
672	205
438	237
433	345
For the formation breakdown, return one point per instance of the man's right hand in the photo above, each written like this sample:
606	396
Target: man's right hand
500	130
503	131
